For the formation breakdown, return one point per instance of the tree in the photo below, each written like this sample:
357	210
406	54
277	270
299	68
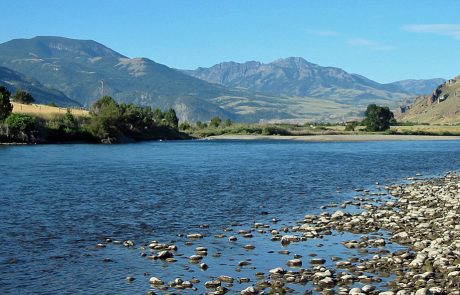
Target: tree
106	117
185	126
5	106
377	118
228	123
20	123
215	122
170	118
22	96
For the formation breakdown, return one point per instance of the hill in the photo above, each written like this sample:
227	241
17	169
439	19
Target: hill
442	106
13	80
76	67
418	87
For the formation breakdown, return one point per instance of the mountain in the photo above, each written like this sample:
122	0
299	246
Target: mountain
76	67
442	106
296	77
13	80
418	87
286	89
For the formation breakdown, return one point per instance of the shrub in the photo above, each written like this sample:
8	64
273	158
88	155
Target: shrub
215	122
20	123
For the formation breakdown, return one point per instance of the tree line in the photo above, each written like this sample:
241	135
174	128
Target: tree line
108	122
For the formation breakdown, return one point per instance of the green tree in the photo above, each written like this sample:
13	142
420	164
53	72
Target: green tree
228	123
5	106
377	118
184	126
22	96
105	118
171	119
215	121
20	123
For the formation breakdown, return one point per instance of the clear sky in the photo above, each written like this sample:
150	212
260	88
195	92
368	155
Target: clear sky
383	40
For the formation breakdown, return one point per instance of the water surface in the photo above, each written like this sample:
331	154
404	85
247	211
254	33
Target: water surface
58	201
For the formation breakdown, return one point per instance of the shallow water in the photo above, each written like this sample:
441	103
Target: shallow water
59	201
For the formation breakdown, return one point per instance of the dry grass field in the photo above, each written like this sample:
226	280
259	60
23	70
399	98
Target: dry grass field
44	111
428	129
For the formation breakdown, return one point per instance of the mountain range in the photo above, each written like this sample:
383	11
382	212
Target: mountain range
286	89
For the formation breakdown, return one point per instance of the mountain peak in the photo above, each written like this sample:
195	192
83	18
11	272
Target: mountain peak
293	61
52	46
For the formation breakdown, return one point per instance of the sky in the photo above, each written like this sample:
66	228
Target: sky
385	40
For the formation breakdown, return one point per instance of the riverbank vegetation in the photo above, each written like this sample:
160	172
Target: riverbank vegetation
110	122
106	122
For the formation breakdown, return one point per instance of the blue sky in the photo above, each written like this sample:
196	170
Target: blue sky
382	40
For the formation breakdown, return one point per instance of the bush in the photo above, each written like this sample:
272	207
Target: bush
215	122
22	96
185	126
20	123
228	123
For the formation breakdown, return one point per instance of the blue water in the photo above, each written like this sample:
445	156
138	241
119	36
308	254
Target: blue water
58	201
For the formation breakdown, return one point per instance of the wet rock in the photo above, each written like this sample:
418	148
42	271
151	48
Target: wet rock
294	263
225	279
317	261
165	255
194	236
249	291
155	281
212	284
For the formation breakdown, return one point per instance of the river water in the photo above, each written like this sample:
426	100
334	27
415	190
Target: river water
58	201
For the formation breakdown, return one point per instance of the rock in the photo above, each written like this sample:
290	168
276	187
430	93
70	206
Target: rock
423	291
317	261
355	291
129	279
194	236
294	263
249	247
155	281
367	289
212	284
232	238
277	270
225	279
128	243
249	291
203	266
164	255
327	282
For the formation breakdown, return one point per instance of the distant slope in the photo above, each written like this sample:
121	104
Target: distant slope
13	80
296	77
76	67
442	106
418	87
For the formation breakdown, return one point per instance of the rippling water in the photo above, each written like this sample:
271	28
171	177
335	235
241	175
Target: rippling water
58	201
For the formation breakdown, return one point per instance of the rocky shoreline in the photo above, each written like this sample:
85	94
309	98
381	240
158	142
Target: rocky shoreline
408	242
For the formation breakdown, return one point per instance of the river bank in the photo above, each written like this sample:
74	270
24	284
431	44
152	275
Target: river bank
334	137
402	239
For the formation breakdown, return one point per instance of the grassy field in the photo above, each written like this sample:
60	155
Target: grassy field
44	111
427	129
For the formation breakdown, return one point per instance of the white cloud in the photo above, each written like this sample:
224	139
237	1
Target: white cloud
370	44
452	30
